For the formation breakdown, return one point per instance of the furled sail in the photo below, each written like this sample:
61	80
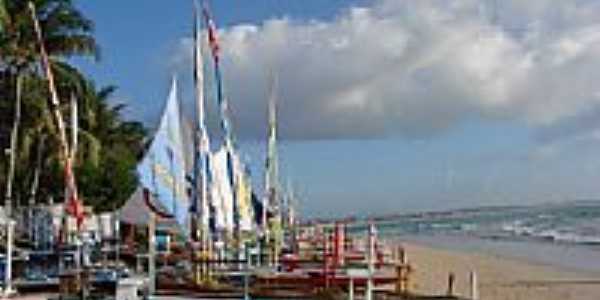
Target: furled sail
162	171
221	191
243	194
271	200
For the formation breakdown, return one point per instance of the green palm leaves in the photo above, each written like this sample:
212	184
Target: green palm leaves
108	144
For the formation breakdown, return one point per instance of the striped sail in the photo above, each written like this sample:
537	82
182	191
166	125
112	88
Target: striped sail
162	170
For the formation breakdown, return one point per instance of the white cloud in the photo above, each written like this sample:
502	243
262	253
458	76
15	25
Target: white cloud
416	67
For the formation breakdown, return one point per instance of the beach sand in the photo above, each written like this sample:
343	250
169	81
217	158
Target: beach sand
499	278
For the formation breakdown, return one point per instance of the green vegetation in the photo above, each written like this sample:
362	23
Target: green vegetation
109	145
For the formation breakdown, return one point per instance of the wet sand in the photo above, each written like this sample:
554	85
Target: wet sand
499	278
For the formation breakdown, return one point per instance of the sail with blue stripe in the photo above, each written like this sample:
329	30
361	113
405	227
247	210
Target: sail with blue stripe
162	171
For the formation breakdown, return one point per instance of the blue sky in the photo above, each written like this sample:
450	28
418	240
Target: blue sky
138	38
386	105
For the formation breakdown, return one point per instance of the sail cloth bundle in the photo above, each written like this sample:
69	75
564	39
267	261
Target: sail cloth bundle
243	193
221	191
232	204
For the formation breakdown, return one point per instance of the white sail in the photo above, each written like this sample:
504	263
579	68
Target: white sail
271	202
162	170
202	141
222	193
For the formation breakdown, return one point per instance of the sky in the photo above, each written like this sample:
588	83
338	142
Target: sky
385	106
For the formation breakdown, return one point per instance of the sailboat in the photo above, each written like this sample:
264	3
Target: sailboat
272	220
218	209
209	203
162	170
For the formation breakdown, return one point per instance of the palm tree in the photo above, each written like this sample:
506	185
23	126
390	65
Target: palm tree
106	173
67	33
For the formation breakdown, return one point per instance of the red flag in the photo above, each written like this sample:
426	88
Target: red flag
74	207
213	39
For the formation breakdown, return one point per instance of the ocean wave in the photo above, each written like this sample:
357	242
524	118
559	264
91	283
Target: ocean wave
560	235
561	224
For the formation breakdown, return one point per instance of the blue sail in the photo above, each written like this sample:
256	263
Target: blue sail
162	171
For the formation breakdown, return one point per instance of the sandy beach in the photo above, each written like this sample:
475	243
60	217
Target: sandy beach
499	278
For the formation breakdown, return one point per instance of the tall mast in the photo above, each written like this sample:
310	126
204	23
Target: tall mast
272	181
271	165
202	141
74	206
223	104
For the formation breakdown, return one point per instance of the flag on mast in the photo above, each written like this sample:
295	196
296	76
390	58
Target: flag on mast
223	105
222	102
202	140
73	205
213	39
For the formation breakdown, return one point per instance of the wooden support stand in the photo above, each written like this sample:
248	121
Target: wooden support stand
403	272
474	286
451	279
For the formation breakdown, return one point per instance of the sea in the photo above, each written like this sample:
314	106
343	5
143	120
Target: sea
565	235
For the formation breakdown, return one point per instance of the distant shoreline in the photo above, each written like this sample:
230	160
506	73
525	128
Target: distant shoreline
453	211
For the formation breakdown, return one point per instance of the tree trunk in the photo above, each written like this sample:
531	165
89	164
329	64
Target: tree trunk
37	171
34	187
14	135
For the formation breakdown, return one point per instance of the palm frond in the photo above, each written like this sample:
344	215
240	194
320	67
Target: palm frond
91	147
72	45
3	15
105	92
64	17
69	77
118	108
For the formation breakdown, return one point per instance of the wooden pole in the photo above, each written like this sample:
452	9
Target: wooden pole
65	154
34	188
326	258
60	124
117	227
402	255
351	289
152	254
474	286
8	199
14	135
10	226
336	246
247	271
369	291
403	271
451	278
